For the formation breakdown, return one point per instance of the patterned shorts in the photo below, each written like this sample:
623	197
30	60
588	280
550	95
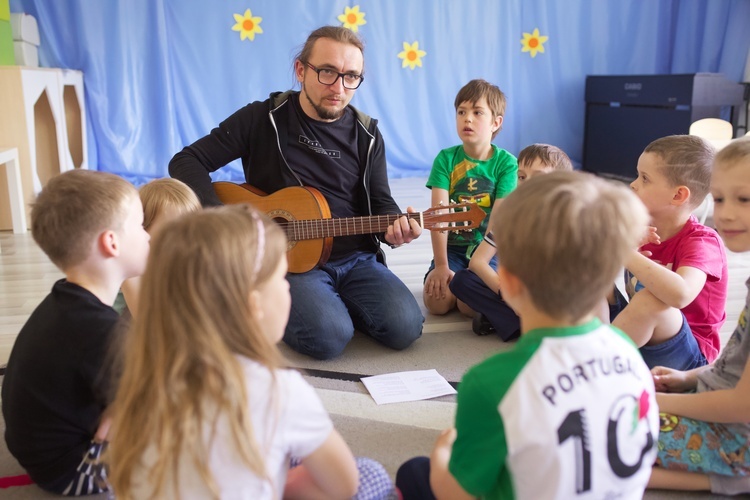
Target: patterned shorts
696	446
91	474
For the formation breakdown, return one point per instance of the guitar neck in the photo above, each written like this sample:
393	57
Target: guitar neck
298	230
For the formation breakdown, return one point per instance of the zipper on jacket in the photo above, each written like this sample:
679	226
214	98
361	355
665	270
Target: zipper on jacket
367	166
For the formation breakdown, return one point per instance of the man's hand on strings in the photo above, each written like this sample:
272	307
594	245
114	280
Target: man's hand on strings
403	230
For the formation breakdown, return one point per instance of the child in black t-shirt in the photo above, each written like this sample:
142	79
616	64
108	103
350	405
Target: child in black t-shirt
55	390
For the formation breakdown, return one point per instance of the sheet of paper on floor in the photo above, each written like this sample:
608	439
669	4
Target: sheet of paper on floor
407	386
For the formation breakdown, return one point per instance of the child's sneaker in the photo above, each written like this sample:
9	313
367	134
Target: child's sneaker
481	325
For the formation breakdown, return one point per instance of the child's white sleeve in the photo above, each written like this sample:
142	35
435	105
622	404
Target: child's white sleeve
306	424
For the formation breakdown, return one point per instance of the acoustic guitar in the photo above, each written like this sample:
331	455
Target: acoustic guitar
304	215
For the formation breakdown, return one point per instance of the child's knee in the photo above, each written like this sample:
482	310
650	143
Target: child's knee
440	305
465	309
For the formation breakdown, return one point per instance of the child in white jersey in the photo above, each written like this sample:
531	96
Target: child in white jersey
205	407
570	410
705	435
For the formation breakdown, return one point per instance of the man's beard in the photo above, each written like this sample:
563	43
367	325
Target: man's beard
325	113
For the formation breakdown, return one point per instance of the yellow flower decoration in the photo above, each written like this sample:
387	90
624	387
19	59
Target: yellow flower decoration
411	55
247	25
533	43
352	18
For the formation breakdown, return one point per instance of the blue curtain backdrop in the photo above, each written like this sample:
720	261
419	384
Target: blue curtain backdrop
159	74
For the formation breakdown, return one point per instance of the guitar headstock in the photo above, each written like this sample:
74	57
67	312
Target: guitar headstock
454	217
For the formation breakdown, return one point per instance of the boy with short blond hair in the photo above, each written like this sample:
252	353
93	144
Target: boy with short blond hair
476	288
570	410
678	284
56	384
704	437
475	171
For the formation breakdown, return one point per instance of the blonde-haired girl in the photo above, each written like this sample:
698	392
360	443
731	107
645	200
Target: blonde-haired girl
163	200
205	408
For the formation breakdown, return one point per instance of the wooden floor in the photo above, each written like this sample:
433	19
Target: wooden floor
26	275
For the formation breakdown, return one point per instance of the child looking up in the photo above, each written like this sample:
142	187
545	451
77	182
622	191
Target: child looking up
475	171
677	288
205	407
163	200
56	385
476	288
570	409
703	442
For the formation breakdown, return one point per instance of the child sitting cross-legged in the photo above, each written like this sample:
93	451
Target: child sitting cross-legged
678	287
569	411
476	288
704	436
475	171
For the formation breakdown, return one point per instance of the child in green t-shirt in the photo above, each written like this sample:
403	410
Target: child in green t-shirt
476	171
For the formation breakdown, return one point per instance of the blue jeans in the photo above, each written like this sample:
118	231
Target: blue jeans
357	292
681	352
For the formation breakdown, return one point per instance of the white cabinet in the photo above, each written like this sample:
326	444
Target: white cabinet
43	115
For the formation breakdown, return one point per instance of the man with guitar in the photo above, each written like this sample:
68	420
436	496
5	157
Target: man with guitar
314	138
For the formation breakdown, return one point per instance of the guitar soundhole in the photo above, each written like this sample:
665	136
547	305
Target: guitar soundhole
282	217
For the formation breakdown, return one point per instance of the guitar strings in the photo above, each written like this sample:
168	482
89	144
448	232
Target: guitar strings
301	229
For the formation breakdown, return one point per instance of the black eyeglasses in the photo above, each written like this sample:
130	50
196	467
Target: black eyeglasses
329	77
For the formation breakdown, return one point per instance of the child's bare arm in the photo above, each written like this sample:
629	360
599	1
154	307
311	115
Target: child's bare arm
442	482
725	406
480	265
329	472
103	430
675	288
